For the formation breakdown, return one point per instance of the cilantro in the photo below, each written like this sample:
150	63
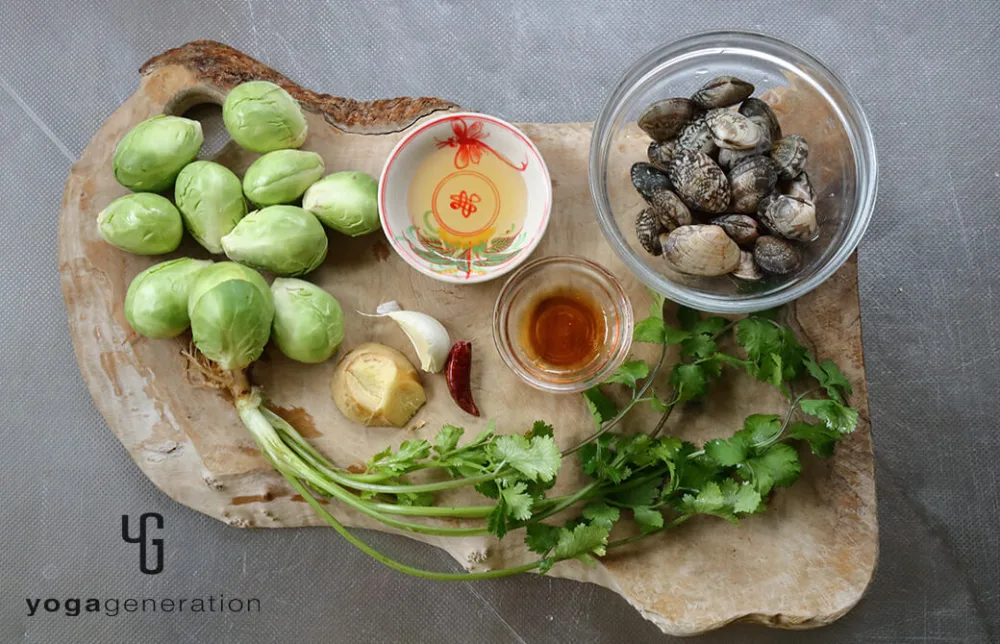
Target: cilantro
629	373
758	337
540	428
821	438
447	439
601	407
688	317
648	519
689	381
727	452
708	500
639	496
584	540
741	497
710	326
830	378
777	466
658	405
699	346
656	306
601	514
536	458
761	428
650	330
517	501
409	451
836	416
541	538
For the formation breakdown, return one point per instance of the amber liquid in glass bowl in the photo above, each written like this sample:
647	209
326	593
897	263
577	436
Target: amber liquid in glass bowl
564	328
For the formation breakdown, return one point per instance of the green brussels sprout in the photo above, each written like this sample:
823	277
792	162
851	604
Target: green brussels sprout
210	198
231	309
262	117
285	240
156	304
151	155
346	202
143	223
281	176
308	323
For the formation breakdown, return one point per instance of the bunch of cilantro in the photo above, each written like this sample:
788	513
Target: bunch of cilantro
657	481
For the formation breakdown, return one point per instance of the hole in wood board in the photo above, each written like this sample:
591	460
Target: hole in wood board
212	127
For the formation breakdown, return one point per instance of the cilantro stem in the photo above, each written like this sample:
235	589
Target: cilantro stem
639	537
558	507
454	511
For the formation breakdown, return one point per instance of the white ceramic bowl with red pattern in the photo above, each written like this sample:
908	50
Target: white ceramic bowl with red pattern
464	197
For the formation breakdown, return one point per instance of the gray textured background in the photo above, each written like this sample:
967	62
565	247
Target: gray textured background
925	73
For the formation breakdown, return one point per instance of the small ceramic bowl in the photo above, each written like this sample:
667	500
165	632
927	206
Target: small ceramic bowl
459	233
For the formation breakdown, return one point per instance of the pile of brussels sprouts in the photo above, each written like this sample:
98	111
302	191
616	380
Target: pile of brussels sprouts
230	308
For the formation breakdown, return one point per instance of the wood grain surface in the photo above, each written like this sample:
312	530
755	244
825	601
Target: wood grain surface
803	563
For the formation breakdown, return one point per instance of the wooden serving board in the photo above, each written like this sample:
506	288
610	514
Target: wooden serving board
803	563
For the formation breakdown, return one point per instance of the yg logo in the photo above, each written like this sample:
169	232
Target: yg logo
144	542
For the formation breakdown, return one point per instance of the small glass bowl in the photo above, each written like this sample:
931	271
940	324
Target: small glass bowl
810	100
534	280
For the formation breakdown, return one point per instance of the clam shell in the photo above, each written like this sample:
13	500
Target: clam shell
790	217
660	152
733	131
670	209
800	187
664	119
696	136
647	230
722	91
699	182
762	114
775	255
742	229
790	153
751	180
701	250
648	179
748	270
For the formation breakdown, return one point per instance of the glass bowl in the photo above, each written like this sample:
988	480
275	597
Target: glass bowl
562	275
809	100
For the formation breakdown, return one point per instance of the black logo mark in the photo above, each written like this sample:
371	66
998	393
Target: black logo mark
144	542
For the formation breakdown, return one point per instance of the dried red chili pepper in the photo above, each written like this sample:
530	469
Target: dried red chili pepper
458	374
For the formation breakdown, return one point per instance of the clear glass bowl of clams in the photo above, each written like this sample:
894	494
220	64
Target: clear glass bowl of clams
732	172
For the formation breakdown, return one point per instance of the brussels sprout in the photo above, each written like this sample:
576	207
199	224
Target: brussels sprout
346	202
262	117
281	176
151	155
210	198
308	323
142	223
231	309
156	304
285	240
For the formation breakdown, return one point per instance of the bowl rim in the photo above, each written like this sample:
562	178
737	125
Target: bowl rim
492	272
862	145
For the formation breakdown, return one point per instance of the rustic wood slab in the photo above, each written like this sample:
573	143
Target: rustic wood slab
803	563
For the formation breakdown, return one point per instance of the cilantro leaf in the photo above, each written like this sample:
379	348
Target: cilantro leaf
688	317
674	336
629	373
409	451
708	500
758	337
600	513
689	381
710	326
656	306
650	330
698	346
447	439
537	458
642	495
731	360
648	519
830	378
540	428
496	520
741	497
761	428
601	407
793	354
727	452
821	438
415	498
658	405
600	462
581	542
692	473
836	416
516	501
777	466
541	538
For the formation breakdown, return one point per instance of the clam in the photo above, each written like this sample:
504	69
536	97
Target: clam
659	153
789	217
722	91
670	209
748	270
762	114
648	229
733	131
775	255
664	119
696	136
701	250
742	229
647	179
799	187
790	153
699	182
751	180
